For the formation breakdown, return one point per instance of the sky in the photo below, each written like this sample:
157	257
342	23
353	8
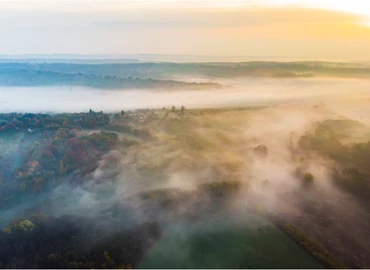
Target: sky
300	29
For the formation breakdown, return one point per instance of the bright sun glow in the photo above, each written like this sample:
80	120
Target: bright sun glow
353	6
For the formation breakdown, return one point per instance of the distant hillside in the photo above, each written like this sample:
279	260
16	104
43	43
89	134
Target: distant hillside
163	71
28	75
67	60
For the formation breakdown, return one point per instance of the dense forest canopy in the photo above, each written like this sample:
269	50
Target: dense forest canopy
52	163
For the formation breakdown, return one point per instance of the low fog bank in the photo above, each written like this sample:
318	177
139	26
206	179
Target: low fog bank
242	92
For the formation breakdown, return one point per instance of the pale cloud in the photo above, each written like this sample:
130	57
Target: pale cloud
256	28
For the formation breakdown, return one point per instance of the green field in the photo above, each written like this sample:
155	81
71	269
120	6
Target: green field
227	242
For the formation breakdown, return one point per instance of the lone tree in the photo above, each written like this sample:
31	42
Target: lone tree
308	179
173	108
182	108
261	150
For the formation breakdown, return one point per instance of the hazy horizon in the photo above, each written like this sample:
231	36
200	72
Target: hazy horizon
179	58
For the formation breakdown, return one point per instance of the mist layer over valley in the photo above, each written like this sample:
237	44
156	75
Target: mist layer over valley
262	172
347	93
